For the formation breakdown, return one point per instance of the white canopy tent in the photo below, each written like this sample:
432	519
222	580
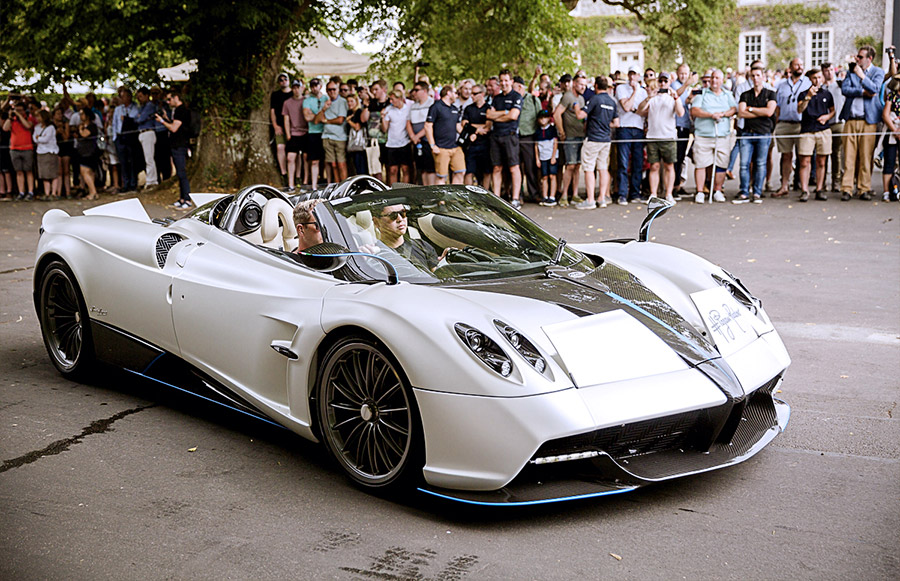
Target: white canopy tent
320	59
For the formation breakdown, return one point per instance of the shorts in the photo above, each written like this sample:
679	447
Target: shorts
92	163
398	155
314	150
595	155
48	166
663	150
296	144
784	129
22	160
820	142
280	139
423	158
706	147
478	159
335	151
505	148
446	160
548	169
572	147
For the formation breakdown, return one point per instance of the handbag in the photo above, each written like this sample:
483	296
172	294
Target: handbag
357	139
373	156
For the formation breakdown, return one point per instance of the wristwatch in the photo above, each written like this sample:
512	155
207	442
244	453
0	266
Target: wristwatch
750	109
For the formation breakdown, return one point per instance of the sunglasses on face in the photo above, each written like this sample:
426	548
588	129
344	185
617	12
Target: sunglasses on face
315	225
478	92
394	215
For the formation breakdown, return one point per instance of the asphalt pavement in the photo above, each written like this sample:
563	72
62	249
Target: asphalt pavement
119	480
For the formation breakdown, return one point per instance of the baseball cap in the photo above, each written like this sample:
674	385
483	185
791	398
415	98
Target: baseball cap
663	76
518	79
284	76
565	78
314	82
297	83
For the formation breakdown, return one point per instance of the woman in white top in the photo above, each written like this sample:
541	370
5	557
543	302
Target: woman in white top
47	150
399	154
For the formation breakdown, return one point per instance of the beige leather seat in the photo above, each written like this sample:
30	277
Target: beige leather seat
278	235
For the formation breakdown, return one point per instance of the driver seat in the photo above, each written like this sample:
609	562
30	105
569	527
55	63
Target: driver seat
281	235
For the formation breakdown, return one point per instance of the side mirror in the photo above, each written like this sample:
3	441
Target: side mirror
655	207
324	257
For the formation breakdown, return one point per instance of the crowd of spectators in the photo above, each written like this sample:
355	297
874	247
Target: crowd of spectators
77	148
628	134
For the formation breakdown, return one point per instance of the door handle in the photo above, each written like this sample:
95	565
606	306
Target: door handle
284	348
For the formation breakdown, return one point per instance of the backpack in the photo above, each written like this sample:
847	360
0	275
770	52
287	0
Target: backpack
894	188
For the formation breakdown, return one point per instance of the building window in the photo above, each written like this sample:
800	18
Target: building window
818	47
752	48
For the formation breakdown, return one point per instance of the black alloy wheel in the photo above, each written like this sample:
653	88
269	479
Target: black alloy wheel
64	322
367	415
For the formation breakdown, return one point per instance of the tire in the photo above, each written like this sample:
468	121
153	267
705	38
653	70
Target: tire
367	416
65	325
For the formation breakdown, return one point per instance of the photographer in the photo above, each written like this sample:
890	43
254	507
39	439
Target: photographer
661	107
861	114
21	149
178	142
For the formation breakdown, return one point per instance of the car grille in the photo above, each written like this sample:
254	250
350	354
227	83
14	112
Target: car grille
164	244
660	446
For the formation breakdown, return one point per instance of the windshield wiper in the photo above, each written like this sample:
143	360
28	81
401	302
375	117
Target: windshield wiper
557	255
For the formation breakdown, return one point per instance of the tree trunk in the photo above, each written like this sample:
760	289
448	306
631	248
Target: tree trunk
233	149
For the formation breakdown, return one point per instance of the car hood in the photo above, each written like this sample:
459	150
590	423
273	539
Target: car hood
605	289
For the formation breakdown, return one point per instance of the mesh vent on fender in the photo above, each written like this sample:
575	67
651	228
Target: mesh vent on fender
164	244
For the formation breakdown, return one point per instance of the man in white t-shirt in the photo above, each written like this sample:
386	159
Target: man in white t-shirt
397	148
631	138
661	107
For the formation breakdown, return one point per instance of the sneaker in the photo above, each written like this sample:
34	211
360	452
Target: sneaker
700	198
603	203
885	197
670	198
718	197
29	197
183	205
577	200
548	202
821	196
517	204
866	196
622	201
586	205
563	202
757	199
741	199
845	196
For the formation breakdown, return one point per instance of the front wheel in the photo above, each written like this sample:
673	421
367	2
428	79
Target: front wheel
64	322
367	415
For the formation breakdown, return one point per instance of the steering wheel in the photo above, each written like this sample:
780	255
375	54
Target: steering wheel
245	213
357	185
468	254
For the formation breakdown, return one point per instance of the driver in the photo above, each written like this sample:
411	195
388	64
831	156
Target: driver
308	233
392	225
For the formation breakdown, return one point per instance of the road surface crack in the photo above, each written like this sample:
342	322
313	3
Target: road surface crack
59	446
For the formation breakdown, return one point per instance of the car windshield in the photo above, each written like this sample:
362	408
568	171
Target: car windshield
446	233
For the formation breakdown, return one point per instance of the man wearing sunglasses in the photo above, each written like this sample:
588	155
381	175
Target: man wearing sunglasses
861	115
392	227
308	233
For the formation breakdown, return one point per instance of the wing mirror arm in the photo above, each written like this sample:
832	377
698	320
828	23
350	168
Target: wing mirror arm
656	207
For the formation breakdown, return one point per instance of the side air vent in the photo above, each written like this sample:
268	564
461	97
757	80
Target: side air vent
164	244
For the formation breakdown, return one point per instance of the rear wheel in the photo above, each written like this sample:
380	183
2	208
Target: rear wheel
367	415
64	322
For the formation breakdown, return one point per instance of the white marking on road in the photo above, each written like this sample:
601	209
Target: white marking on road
843	333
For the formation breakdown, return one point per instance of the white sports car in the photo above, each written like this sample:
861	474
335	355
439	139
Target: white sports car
434	337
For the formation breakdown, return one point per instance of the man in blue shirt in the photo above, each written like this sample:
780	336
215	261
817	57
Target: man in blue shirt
146	123
125	138
860	114
787	130
602	115
504	114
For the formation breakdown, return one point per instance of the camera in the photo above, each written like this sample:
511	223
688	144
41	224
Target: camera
663	91
422	64
696	91
851	67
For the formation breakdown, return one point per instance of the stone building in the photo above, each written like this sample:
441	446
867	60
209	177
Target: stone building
833	40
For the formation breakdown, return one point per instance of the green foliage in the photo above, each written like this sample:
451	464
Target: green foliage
878	45
459	38
592	44
778	19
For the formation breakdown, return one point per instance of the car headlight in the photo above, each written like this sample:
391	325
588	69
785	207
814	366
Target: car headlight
485	349
739	291
523	346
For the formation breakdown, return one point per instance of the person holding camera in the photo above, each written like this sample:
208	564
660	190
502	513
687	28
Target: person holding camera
178	127
861	114
21	150
661	108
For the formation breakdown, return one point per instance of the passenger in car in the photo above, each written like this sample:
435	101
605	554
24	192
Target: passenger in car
308	233
392	225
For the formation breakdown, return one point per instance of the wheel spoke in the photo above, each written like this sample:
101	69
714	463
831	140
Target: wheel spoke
387	439
349	394
351	386
387	394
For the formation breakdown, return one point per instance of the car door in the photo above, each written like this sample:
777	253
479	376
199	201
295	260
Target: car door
243	315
